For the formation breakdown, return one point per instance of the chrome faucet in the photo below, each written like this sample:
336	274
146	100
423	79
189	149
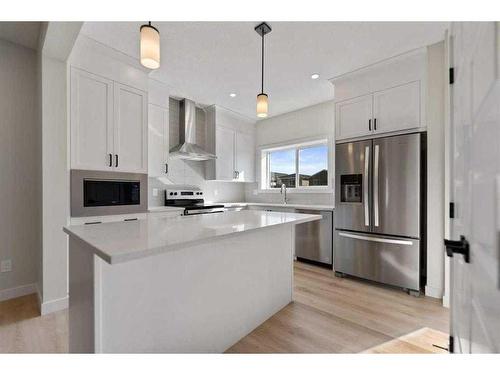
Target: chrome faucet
283	188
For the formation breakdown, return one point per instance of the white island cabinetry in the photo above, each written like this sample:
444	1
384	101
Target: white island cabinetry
189	284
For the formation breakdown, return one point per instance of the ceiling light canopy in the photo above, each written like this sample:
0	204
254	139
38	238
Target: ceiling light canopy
314	76
232	95
262	98
150	46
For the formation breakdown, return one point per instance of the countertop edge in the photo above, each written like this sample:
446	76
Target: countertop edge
115	259
299	206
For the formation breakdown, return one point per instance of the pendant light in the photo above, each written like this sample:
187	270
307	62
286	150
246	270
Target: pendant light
150	46
262	98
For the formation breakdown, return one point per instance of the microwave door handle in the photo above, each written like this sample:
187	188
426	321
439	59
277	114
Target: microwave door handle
375	185
365	187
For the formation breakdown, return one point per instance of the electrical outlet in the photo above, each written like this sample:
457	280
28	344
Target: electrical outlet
216	192
6	265
155	192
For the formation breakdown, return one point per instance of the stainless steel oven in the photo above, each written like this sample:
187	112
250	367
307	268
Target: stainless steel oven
96	193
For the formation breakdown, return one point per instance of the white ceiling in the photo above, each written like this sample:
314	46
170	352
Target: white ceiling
206	61
23	33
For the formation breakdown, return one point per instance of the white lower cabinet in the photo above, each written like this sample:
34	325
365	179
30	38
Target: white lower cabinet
108	124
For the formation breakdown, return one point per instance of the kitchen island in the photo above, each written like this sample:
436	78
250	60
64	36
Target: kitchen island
187	284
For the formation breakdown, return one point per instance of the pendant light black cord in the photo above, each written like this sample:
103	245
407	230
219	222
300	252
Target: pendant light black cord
262	87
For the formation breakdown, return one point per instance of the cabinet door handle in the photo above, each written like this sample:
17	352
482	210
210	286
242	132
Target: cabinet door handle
370	124
166	167
374	124
116	160
110	160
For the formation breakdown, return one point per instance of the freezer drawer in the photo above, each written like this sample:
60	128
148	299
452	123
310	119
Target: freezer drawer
389	260
314	240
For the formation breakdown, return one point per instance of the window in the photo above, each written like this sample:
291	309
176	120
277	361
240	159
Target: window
301	166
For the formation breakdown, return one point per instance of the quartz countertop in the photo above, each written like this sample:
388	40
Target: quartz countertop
291	205
165	209
125	241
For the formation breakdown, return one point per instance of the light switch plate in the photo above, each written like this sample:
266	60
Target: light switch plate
6	265
155	192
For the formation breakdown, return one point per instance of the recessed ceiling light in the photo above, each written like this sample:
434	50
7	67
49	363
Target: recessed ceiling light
315	76
232	95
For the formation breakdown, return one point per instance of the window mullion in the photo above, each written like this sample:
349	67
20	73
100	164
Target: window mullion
296	167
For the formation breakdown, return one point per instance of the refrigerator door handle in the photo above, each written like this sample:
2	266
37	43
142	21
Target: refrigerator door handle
375	185
376	239
365	187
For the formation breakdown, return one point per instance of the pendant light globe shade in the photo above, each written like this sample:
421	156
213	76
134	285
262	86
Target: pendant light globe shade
150	46
262	105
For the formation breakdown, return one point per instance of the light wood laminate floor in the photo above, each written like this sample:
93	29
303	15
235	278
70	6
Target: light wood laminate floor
328	315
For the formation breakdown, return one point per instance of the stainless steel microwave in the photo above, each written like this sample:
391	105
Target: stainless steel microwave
96	193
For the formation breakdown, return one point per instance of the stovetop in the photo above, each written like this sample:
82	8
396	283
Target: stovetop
189	198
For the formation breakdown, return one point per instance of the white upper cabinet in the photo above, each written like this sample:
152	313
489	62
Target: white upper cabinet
245	156
388	97
354	117
397	108
158	140
225	165
91	121
232	139
130	130
108	124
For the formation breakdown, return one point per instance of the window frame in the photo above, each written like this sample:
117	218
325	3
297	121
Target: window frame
265	173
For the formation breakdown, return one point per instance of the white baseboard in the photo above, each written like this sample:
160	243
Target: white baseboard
54	305
446	300
433	292
19	291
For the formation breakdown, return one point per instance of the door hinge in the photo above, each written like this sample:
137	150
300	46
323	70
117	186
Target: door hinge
451	345
452	76
452	210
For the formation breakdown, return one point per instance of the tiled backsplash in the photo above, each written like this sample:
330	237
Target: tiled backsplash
188	172
297	198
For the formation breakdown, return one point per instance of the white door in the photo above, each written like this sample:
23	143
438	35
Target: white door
245	156
224	149
354	117
130	129
397	108
158	140
475	128
91	121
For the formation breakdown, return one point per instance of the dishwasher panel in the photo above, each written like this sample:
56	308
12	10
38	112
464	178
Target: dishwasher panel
314	240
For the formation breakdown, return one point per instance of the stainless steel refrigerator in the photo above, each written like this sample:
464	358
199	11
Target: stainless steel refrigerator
380	210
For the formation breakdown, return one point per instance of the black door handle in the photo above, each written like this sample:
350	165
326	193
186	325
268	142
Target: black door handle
370	124
459	247
374	124
110	160
116	160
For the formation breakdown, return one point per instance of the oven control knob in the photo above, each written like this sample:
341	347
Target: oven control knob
171	193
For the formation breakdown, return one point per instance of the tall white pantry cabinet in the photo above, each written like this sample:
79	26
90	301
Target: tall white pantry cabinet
108	124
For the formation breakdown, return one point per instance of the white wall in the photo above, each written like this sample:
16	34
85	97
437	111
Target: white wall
20	238
435	170
55	182
56	42
308	123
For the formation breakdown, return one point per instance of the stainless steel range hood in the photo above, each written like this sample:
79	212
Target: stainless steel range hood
187	148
